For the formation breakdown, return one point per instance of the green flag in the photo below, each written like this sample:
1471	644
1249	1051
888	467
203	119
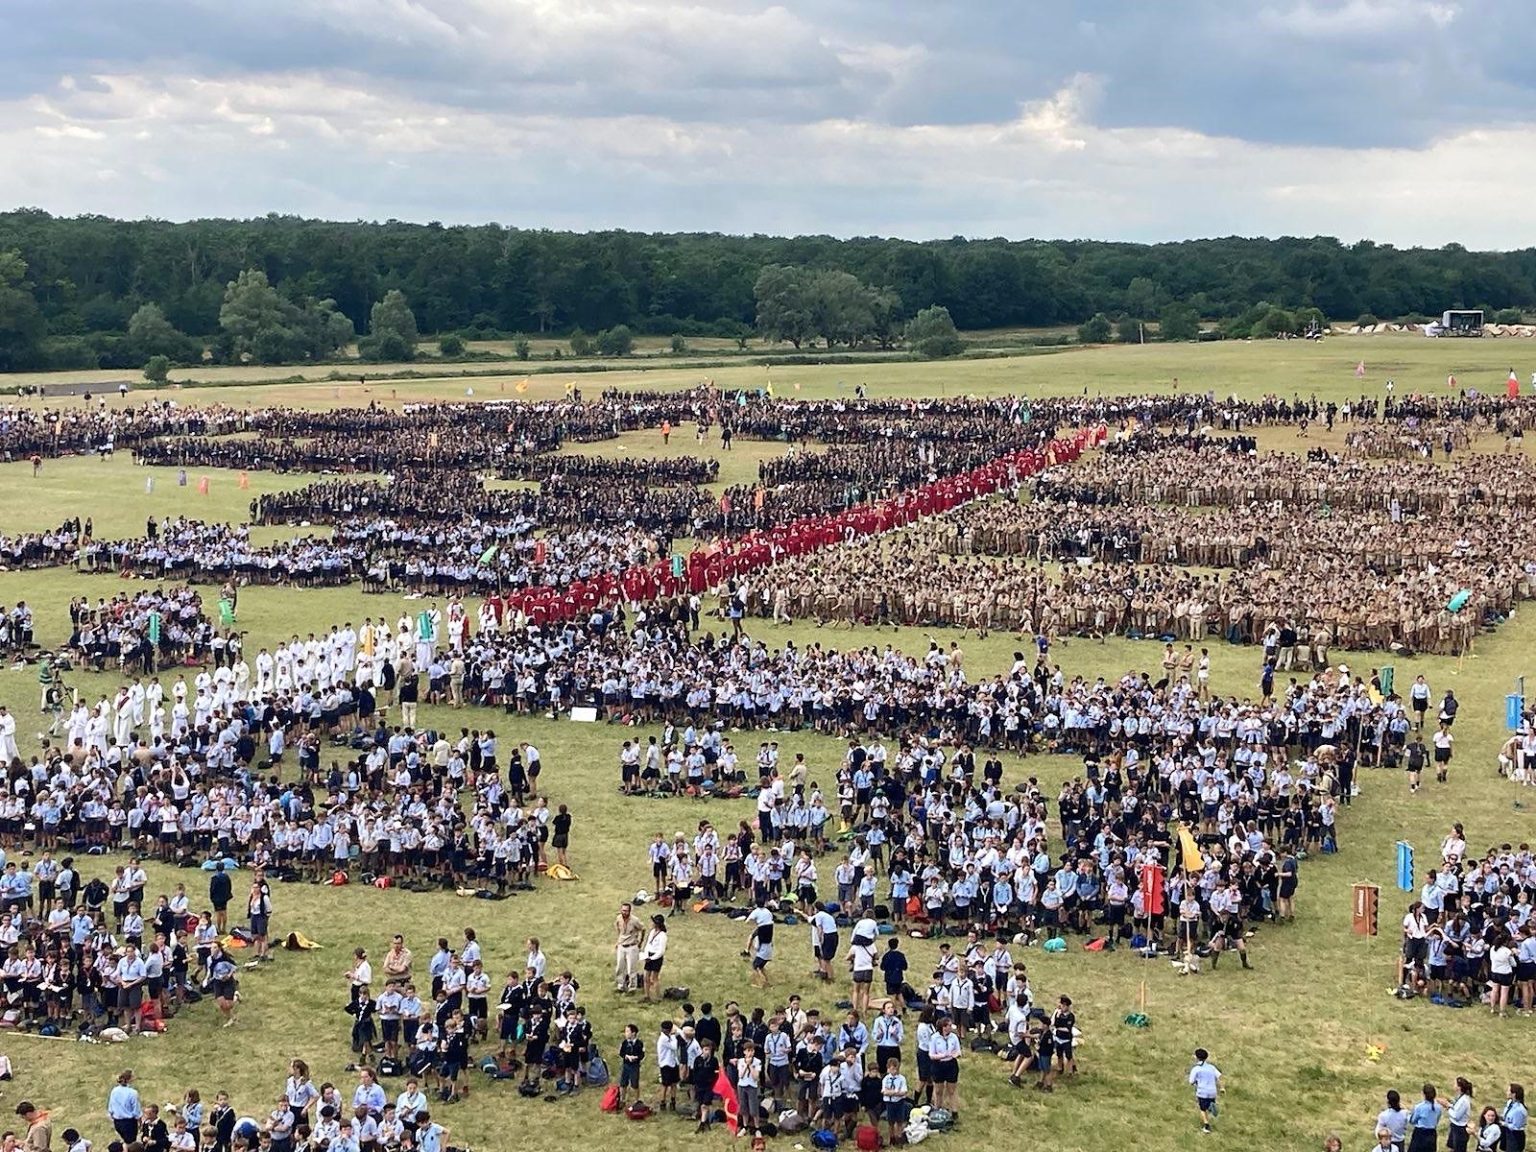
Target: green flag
488	555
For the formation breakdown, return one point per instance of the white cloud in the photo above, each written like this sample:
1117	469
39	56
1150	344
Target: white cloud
68	131
1358	18
345	146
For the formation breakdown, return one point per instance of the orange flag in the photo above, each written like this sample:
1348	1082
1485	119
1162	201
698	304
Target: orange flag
730	1104
245	480
202	485
522	385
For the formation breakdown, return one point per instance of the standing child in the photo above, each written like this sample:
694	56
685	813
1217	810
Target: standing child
705	1071
363	1031
893	1095
389	1020
749	1081
192	1113
668	1065
631	1056
1206	1080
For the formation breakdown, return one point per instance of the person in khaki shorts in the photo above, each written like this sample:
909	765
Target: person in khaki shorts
626	967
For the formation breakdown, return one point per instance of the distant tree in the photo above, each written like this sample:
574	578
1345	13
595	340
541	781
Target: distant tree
581	344
1308	319
1143	297
1128	330
157	369
1508	316
151	334
392	332
451	344
87	276
1275	322
330	328
388	347
22	326
885	316
931	333
276	345
678	345
1367	320
783	296
521	348
842	310
616	341
1094	331
1178	321
257	322
1247	323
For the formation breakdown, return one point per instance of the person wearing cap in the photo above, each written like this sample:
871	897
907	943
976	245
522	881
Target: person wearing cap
655	955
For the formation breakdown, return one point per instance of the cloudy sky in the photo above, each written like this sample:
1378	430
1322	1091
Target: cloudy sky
1408	121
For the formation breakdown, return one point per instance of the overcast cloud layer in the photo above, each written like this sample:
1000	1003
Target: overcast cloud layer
1407	121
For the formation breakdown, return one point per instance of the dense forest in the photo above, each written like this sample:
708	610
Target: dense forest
70	287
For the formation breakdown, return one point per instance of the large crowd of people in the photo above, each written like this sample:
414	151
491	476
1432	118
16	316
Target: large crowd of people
1181	834
1391	564
199	769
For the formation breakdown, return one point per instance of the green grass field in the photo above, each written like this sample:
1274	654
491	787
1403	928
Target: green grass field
1285	368
1291	1035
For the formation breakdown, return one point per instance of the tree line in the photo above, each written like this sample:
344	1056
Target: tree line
71	289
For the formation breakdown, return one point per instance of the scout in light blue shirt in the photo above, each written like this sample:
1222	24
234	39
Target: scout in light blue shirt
1514	1117
1425	1117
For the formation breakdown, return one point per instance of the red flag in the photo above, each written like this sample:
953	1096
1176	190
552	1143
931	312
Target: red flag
725	503
727	1093
202	485
1152	888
